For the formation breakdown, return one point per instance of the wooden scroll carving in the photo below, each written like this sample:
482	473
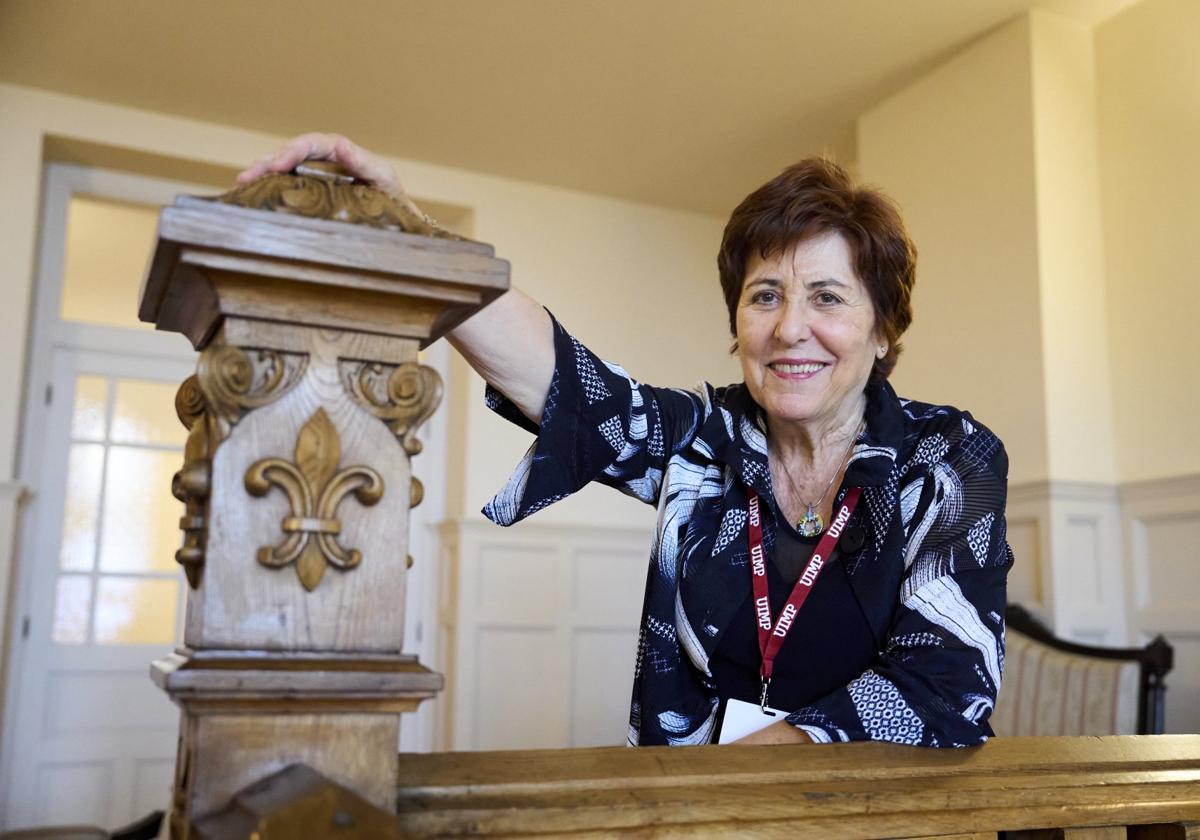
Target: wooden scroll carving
314	488
323	190
236	380
192	483
230	382
403	396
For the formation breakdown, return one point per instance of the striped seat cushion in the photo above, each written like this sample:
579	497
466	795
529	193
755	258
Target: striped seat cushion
1049	692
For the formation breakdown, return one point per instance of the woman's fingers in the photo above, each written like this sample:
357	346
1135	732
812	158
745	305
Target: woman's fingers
317	146
304	147
364	165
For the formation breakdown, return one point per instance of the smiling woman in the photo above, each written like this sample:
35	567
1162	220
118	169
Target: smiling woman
902	638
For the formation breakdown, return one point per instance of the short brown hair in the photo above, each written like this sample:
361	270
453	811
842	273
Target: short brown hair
816	196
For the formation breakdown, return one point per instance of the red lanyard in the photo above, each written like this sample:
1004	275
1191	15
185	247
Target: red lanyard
771	636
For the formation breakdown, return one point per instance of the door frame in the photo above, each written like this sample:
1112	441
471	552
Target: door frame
49	334
43	658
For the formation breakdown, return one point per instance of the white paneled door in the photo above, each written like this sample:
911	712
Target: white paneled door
93	739
87	738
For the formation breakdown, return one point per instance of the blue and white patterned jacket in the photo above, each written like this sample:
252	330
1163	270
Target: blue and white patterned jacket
930	575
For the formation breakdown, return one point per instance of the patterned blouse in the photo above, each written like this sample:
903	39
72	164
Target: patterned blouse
930	574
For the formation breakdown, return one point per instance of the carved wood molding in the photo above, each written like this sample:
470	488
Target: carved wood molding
403	396
323	190
229	382
314	488
192	484
236	380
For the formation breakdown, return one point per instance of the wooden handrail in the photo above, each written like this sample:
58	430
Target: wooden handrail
841	790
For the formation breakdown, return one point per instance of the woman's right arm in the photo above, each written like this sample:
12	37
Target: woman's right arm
510	343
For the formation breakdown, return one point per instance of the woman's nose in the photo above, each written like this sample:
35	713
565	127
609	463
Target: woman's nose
794	324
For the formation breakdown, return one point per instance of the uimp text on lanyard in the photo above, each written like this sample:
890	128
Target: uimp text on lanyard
771	634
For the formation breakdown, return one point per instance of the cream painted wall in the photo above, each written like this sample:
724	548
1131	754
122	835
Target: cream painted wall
637	283
107	247
1075	351
955	150
1148	74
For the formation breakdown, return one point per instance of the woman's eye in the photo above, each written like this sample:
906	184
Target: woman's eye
764	297
828	298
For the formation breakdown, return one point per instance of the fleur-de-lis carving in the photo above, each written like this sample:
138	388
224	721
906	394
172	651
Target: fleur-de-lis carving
314	488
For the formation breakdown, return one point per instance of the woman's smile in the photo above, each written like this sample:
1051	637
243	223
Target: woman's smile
806	334
796	369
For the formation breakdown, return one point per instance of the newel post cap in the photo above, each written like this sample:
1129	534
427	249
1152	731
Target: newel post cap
314	247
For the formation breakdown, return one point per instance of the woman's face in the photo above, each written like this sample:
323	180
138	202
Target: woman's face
806	332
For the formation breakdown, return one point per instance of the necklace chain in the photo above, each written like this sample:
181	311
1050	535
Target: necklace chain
810	525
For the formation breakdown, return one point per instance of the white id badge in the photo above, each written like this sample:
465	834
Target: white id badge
742	718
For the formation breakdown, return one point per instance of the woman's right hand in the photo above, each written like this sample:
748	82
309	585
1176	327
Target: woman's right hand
333	147
510	343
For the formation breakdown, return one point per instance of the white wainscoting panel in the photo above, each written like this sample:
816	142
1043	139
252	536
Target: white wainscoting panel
517	677
1183	683
153	780
73	792
1066	541
600	692
1162	543
104	702
539	625
1027	516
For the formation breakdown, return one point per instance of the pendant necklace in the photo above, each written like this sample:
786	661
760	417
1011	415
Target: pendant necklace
811	524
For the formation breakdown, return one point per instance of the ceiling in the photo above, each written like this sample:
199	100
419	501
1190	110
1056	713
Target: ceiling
680	103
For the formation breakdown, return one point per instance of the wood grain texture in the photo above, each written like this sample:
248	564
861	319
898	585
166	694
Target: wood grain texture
841	790
250	294
231	751
298	802
287	685
323	189
296	466
214	260
243	604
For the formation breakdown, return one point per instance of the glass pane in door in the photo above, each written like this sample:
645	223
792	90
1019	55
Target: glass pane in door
72	605
107	246
144	412
85	468
119	582
136	610
90	415
141	517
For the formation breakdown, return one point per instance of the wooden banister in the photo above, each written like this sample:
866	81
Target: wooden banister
857	790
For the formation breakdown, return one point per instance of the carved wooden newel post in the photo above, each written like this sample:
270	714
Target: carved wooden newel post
308	305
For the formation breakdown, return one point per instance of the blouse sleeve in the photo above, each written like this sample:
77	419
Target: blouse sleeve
936	681
598	424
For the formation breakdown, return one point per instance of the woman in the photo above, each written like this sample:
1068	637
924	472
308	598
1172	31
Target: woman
811	476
